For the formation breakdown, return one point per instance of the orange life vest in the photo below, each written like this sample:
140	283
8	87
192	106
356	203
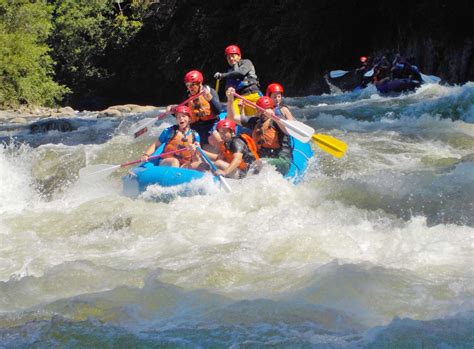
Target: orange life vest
266	135
228	156
251	144
201	110
180	141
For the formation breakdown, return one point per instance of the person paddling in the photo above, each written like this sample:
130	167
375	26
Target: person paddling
236	153
275	92
270	135
241	76
362	70
179	136
205	108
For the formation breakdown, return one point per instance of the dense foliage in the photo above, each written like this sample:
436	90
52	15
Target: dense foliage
26	68
46	46
93	53
87	34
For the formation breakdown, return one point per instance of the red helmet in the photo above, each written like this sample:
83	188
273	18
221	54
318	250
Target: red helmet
193	76
363	59
265	102
232	49
224	123
183	109
274	87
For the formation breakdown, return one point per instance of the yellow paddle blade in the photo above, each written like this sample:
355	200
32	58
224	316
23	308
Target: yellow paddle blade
331	145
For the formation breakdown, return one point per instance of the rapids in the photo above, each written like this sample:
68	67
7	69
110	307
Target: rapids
371	250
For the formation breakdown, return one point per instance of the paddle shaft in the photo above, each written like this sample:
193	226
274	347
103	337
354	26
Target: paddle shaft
288	124
334	146
214	168
189	99
153	157
144	129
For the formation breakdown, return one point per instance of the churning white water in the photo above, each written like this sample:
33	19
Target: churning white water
371	250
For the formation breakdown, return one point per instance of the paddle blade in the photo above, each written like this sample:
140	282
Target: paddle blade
298	130
369	73
142	127
430	79
99	171
330	145
337	73
225	184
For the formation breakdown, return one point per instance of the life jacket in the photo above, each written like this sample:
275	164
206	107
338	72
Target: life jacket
249	83
271	141
201	110
266	135
248	156
278	111
177	141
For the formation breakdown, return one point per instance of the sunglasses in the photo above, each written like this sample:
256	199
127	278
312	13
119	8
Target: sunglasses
189	84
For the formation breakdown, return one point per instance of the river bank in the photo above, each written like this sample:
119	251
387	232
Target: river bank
27	115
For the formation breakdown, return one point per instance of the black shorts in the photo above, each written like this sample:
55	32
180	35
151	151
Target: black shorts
204	129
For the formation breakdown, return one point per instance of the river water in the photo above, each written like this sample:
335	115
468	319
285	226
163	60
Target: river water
371	250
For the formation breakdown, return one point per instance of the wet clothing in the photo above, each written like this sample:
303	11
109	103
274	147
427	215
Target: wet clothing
249	111
404	70
205	114
278	111
175	140
239	144
271	141
381	70
242	77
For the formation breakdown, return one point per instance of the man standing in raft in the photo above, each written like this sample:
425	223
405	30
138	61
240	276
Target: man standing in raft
242	77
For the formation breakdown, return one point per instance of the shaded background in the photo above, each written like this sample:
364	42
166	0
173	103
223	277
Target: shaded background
292	42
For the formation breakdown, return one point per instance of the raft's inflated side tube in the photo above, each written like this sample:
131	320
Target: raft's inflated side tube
301	153
150	173
398	85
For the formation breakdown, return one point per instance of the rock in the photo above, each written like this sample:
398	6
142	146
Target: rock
107	113
143	108
43	126
18	120
66	111
4	115
121	108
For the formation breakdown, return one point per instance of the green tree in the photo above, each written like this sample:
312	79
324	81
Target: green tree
26	68
87	38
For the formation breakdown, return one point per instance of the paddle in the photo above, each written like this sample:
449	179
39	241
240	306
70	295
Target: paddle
217	85
369	73
329	144
142	127
337	73
103	170
430	79
214	168
295	128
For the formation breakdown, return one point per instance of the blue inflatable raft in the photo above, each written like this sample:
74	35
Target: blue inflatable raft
150	173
